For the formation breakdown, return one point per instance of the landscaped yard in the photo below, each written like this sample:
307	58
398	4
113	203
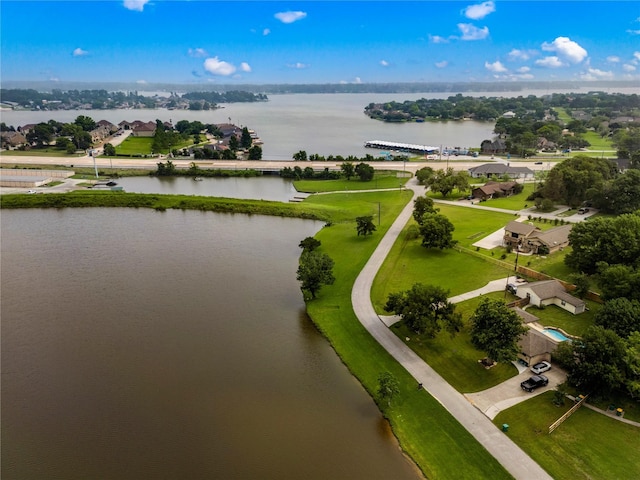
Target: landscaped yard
514	202
455	358
588	445
554	316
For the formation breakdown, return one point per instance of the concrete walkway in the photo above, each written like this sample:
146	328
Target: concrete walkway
510	456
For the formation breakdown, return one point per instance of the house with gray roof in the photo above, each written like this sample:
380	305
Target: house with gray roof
499	170
550	292
530	239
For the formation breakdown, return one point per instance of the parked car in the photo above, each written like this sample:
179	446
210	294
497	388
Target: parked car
31	191
534	382
583	210
541	367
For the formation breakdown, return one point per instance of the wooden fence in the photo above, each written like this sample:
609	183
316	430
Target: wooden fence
558	422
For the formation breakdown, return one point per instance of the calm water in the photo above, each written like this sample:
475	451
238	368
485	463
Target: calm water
328	124
257	188
139	344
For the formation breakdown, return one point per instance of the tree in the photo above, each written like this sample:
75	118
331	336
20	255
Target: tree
424	309
233	143
424	174
82	140
444	181
245	139
42	133
300	156
166	169
610	240
348	170
314	271
109	150
632	361
496	329
388	387
422	205
620	315
365	225
309	244
364	171
617	281
581	281
255	153
599	361
436	231
85	123
621	195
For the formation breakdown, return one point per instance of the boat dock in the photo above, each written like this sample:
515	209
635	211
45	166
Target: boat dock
403	147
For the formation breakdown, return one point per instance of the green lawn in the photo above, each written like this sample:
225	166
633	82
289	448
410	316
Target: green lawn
554	316
598	143
380	180
135	146
588	445
41	152
433	438
455	358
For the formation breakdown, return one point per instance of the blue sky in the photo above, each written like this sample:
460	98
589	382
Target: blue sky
216	42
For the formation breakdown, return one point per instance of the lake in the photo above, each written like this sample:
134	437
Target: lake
139	344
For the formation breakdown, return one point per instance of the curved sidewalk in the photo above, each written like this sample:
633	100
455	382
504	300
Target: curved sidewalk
510	456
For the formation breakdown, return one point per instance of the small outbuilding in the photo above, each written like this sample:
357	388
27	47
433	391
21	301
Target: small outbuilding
550	292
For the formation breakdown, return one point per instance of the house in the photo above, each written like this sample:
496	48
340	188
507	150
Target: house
535	347
494	189
142	129
550	292
12	139
528	238
499	170
496	146
509	114
103	130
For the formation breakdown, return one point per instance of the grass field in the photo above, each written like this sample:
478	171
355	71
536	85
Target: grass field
436	441
588	445
135	146
381	180
41	152
554	316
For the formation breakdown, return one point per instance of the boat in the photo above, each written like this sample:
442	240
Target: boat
197	179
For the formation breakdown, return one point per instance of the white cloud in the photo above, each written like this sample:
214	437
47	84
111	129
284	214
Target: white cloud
550	62
636	56
266	32
627	67
197	52
634	32
438	39
613	59
442	64
567	49
477	12
523	70
78	52
495	67
517	54
384	63
357	80
136	5
524	76
471	32
596	74
245	67
298	65
141	82
290	17
215	66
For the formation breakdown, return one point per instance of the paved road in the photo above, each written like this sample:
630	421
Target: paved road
518	463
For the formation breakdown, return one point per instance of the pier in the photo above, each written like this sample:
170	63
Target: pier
403	147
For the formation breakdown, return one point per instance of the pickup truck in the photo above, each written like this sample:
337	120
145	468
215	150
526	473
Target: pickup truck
534	382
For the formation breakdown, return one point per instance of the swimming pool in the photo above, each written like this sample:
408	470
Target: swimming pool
555	334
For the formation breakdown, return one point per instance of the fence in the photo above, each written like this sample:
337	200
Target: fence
558	422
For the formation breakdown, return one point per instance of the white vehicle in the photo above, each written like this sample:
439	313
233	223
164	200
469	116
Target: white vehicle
541	367
31	191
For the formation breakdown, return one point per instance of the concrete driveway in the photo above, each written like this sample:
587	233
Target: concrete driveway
507	394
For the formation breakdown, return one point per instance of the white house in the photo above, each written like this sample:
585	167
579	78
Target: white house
550	292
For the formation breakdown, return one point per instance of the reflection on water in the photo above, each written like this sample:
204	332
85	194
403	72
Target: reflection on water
138	344
269	187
